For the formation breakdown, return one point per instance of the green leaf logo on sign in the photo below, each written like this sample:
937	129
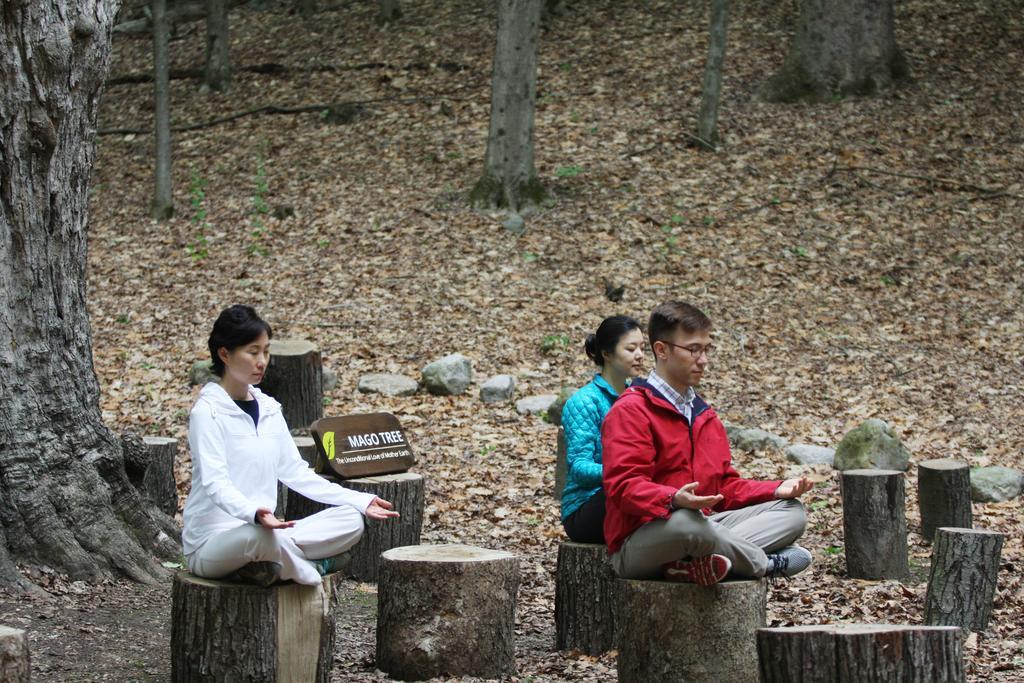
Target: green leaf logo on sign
329	445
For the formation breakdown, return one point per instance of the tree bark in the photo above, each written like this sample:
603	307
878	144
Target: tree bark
875	524
707	124
510	178
225	631
840	48
65	497
390	11
965	564
295	378
944	495
217	74
446	610
859	653
405	490
657	620
561	463
15	666
584	599
163	202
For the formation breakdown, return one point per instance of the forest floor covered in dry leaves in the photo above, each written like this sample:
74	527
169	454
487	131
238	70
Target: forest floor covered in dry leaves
861	258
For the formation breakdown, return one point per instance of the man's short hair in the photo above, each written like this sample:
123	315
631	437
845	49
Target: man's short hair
672	315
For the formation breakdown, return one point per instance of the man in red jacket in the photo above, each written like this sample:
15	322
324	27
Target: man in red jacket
675	506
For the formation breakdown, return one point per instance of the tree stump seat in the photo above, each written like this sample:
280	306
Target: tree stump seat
405	490
671	631
584	599
874	524
14	657
227	631
962	582
446	610
944	495
295	378
859	653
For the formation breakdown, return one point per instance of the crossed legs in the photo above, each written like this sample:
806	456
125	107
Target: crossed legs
744	536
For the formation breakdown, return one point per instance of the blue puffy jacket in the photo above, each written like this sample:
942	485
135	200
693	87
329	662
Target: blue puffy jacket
581	418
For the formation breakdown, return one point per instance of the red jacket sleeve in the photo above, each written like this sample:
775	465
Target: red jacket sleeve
627	452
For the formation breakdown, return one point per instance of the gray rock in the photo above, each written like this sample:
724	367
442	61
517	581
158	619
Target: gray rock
535	404
448	376
388	385
498	389
515	224
872	445
201	373
995	484
330	379
756	440
555	409
805	454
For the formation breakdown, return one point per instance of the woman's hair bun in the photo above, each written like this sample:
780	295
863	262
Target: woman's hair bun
590	348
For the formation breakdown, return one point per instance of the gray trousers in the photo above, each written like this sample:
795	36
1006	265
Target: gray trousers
744	536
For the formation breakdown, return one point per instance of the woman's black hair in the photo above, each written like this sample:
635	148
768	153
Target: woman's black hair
607	337
236	326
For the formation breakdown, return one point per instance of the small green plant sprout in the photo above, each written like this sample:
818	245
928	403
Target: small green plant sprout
259	211
554	343
568	171
677	218
888	280
198	248
529	256
800	252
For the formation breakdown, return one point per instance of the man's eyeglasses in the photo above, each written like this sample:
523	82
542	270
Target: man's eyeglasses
695	350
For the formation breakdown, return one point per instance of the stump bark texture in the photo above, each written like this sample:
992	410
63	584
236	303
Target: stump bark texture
226	631
944	495
405	490
658	623
584	599
875	524
561	463
962	583
14	659
295	378
446	610
859	653
158	479
307	449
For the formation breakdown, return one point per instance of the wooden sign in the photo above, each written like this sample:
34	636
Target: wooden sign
361	445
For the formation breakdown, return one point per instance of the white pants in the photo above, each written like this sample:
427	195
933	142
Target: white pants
329	532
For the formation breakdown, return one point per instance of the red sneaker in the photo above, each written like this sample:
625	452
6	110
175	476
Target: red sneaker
704	571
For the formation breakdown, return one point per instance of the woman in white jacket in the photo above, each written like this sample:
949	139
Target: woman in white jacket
240	449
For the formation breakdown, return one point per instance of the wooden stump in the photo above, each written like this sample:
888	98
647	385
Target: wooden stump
859	653
875	524
158	479
684	632
307	449
944	495
446	610
584	599
295	378
14	659
226	631
561	464
962	583
405	490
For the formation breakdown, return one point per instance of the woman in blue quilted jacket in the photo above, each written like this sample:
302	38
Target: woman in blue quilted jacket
618	349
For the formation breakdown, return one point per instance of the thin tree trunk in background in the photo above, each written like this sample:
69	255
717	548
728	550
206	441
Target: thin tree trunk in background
163	203
218	62
390	10
840	48
707	125
65	499
510	178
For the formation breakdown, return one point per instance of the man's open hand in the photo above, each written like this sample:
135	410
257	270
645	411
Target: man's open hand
686	498
794	488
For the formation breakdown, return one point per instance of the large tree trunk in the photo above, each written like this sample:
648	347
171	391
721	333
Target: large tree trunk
707	123
510	179
65	498
841	47
163	203
218	65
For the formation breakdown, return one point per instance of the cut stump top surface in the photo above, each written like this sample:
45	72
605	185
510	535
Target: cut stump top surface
872	473
449	552
855	629
967	531
7	631
291	347
383	478
158	440
943	464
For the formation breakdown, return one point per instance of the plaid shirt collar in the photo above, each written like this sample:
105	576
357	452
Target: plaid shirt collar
682	402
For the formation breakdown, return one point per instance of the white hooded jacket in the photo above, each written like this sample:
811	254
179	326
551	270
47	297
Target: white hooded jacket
236	466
